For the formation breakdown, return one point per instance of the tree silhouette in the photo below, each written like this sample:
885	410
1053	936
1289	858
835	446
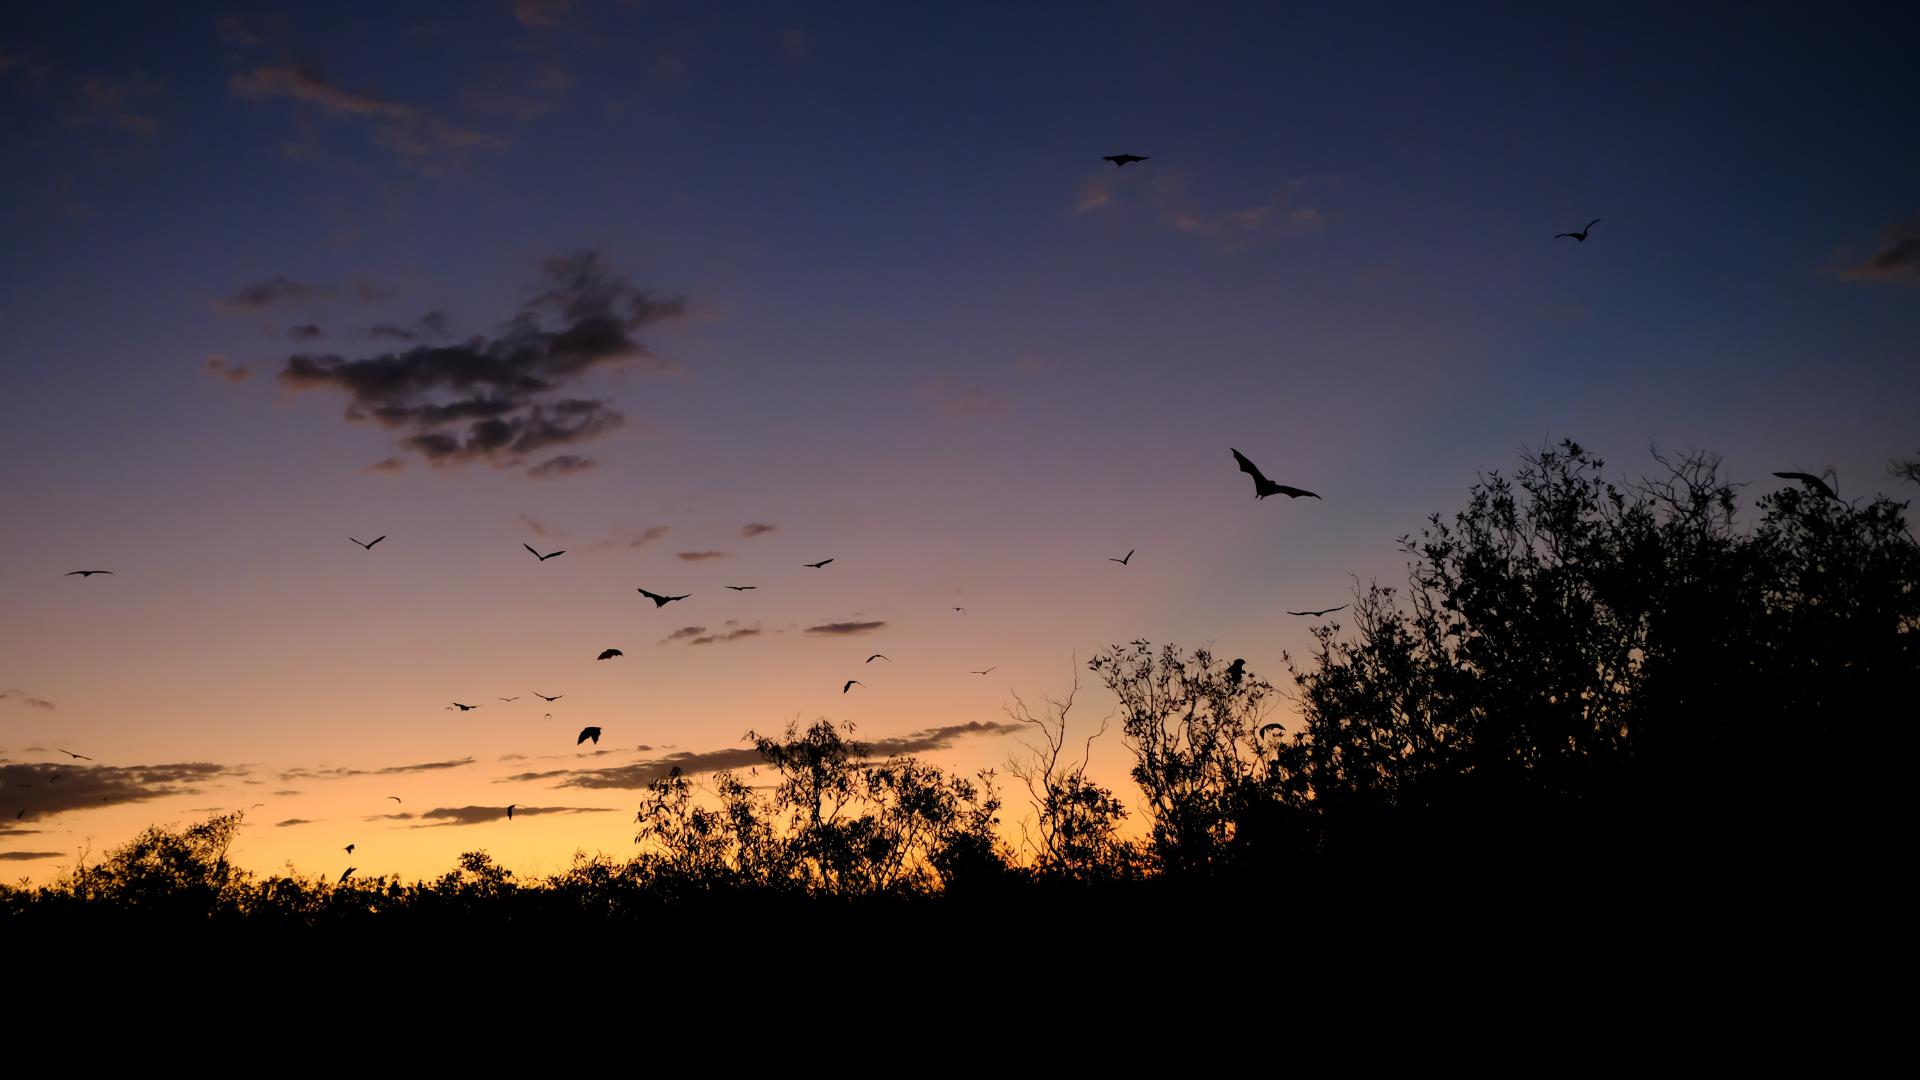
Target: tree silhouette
1075	830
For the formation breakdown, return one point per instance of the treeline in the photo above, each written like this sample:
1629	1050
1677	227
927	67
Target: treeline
1581	686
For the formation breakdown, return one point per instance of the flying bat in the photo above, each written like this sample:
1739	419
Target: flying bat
369	544
395	798
1124	561
609	654
1322	611
1815	484
1263	487
350	848
71	754
961	610
851	683
660	601
1581	235
741	588
817	565
346	874
879	656
465	708
85	573
548	555
1121	161
984	672
588	733
511	805
544	697
1237	671
515	697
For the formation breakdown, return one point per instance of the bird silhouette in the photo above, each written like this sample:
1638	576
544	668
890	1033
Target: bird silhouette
1121	161
515	697
608	654
740	588
817	565
1581	235
1124	561
1236	671
369	544
85	573
511	805
465	708
588	733
1263	487
548	555
350	848
544	697
71	754
660	601
879	656
851	683
1322	611
345	874
961	610
984	672
1815	484
395	798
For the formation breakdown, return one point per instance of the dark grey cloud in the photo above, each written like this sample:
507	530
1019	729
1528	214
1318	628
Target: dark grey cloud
641	773
291	821
754	529
504	399
388	465
562	465
417	137
1898	258
52	788
271	292
700	556
684	633
25	856
539	527
390	770
26	699
286	793
116	103
845	629
233	373
478	815
305	332
541	14
724	636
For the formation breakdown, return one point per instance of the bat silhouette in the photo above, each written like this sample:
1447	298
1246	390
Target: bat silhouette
851	683
1818	486
85	573
588	733
661	601
961	610
1236	671
395	798
369	544
516	697
548	555
71	754
818	565
1263	487
1124	561
879	656
1322	611
511	805
345	874
1121	161
609	654
741	588
1581	235
984	672
465	708
544	697
350	849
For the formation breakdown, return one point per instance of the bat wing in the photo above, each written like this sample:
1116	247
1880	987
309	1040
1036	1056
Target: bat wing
374	541
530	550
1591	224
1249	468
1295	493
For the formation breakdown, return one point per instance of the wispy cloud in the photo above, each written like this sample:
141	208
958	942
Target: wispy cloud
390	770
538	527
960	400
48	788
845	629
270	293
419	138
1898	258
290	822
305	332
700	556
26	699
479	815
757	528
116	103
541	14
562	465
27	856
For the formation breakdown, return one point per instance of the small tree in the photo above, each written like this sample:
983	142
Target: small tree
1075	830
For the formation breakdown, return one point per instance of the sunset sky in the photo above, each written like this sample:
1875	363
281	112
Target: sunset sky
703	293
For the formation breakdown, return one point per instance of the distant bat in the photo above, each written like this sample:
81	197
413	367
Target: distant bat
961	610
369	544
740	588
1815	484
1263	487
71	754
1322	611
1121	161
1124	561
511	805
515	697
350	849
395	798
609	654
851	683
1581	235
543	558
588	733
660	601
879	656
984	672
1236	671
544	697
85	573
817	565
465	708
347	873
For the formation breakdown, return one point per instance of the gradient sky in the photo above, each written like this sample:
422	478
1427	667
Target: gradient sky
925	331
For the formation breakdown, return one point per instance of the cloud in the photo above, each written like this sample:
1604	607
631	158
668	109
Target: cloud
275	290
306	332
502	400
24	856
844	629
479	815
1276	218
238	32
1096	191
291	822
539	527
700	556
26	699
52	788
1898	258
562	465
420	139
286	793
388	465
954	399
390	770
755	529
641	773
637	539
541	14
726	636
114	103
684	633
431	325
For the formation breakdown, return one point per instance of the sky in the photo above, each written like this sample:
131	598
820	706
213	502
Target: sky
703	293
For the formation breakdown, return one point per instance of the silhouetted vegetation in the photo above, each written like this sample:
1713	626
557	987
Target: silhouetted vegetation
1579	681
